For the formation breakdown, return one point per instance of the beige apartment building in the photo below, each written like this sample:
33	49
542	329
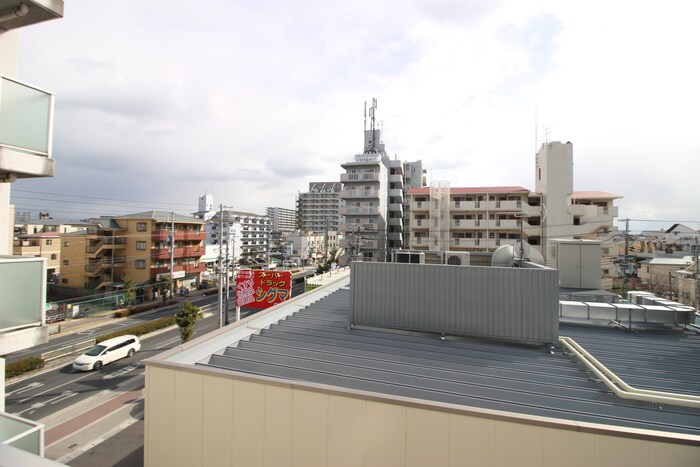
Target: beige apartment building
448	218
42	238
133	247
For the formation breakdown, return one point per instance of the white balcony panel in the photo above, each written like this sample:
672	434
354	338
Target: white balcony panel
22	434
22	299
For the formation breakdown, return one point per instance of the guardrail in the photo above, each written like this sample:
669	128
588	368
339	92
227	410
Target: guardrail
68	349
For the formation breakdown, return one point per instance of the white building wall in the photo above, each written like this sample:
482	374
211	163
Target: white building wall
554	178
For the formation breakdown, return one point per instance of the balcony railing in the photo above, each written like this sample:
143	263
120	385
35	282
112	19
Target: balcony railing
26	118
22	301
359	177
21	433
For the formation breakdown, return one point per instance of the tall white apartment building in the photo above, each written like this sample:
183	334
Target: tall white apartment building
248	233
485	218
374	198
318	209
365	197
245	233
283	219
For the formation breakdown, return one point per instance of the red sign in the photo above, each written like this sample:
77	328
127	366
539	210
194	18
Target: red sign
256	288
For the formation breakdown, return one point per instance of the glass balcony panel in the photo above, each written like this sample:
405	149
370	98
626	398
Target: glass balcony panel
25	117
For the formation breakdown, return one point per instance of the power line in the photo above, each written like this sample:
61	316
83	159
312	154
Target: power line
94	197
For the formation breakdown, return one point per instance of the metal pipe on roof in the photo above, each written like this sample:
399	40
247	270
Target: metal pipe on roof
620	388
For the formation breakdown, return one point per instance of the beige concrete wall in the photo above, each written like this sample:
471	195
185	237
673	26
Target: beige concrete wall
73	273
195	418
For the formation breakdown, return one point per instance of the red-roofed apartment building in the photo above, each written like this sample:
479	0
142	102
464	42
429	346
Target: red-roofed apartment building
485	218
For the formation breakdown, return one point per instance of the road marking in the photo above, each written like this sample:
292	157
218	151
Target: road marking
172	341
123	371
55	387
89	332
63	396
26	388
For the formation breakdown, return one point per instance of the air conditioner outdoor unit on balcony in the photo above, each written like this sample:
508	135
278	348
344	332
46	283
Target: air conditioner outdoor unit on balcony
457	258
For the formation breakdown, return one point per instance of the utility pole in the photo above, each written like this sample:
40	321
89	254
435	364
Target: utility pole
221	262
624	263
172	251
697	274
227	281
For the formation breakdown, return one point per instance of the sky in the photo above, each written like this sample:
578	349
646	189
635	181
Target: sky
159	102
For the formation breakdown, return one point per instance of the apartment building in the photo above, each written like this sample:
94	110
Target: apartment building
318	209
246	233
473	218
134	247
42	238
26	127
374	198
485	218
283	219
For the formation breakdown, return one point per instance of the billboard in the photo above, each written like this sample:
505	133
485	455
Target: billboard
256	288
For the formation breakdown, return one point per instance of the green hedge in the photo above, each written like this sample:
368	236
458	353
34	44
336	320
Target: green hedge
23	366
141	329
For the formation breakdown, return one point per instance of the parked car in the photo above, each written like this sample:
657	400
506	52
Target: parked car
106	352
289	264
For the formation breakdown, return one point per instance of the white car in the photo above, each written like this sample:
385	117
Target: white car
106	352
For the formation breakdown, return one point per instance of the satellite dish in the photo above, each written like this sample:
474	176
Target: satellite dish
509	255
503	257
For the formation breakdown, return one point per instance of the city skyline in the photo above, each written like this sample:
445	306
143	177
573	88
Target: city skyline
253	102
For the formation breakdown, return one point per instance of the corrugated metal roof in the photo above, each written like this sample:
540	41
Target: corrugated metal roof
316	345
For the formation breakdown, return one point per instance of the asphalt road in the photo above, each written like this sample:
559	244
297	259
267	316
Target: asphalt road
57	342
39	396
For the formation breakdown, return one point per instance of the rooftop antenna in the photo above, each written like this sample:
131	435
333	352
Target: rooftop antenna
365	115
372	111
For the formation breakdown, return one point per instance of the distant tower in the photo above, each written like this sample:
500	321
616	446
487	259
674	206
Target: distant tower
554	179
205	207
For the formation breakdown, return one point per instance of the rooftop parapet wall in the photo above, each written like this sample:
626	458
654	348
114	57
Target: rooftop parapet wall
513	304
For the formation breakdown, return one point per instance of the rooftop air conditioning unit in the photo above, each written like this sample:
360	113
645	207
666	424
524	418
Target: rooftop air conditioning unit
457	258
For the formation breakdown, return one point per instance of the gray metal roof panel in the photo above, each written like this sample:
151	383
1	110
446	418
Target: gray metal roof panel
316	345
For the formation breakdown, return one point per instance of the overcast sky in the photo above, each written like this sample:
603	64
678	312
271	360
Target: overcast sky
161	101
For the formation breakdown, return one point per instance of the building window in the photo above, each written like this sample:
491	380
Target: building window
65	262
64	281
53	256
140	245
140	226
48	242
140	264
66	244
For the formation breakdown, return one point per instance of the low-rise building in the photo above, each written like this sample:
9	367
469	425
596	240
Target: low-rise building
142	247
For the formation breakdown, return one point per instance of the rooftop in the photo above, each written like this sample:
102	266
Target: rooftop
465	190
315	345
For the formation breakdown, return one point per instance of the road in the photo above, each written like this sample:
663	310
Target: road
57	342
77	408
81	409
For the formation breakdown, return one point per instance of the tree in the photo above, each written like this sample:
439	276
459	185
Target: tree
129	292
185	318
163	286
